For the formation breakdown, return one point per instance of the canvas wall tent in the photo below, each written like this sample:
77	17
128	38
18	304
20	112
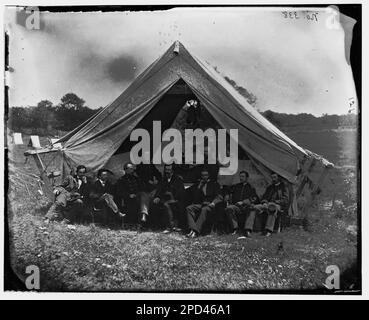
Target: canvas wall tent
106	134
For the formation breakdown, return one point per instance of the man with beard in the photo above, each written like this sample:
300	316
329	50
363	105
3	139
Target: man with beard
206	194
130	193
241	209
274	202
169	199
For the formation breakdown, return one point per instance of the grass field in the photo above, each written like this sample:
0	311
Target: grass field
90	258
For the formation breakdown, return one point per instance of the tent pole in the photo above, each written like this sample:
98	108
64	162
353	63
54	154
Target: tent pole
301	186
62	164
47	185
305	179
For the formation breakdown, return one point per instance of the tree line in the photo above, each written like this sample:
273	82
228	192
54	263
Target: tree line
47	118
311	122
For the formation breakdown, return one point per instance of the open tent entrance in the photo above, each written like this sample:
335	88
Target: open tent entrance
166	111
170	111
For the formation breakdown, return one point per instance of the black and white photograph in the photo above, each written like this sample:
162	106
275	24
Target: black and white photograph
183	149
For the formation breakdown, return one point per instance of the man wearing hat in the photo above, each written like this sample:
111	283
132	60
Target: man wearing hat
274	201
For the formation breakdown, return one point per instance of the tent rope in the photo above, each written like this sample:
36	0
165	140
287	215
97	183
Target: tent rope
46	166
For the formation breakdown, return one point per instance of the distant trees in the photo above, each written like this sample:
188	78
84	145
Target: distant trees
308	121
71	101
348	120
20	117
250	97
72	111
45	117
272	117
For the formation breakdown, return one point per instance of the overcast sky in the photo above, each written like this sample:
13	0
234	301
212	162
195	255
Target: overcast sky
291	65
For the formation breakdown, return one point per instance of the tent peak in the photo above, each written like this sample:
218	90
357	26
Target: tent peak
176	46
177	41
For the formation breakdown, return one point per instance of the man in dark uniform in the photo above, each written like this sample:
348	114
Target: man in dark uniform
206	194
242	199
274	201
101	194
130	193
71	197
150	177
169	199
191	172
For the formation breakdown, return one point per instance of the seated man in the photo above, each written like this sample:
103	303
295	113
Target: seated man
242	199
205	195
71	197
102	195
191	172
130	192
150	177
169	199
275	200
